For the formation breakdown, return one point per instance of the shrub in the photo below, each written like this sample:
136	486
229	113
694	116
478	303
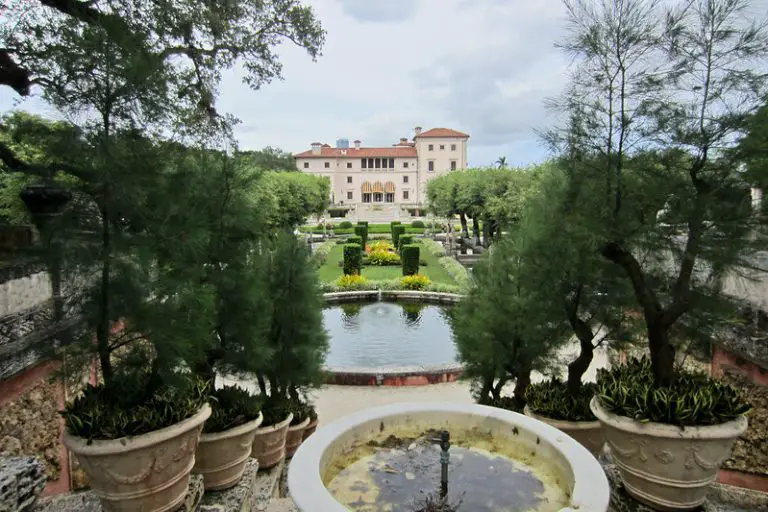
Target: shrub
352	282
320	255
551	399
395	223
231	407
274	409
300	411
354	239
396	232
694	398
328	226
383	258
362	232
380	246
362	223
434	248
410	257
417	224
123	407
345	224
353	259
404	240
456	270
415	282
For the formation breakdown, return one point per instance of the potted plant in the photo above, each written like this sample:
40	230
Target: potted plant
298	426
297	341
227	438
313	421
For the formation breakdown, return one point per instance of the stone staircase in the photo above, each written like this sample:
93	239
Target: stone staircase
378	214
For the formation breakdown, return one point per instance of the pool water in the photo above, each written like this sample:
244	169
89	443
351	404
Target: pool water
388	335
482	477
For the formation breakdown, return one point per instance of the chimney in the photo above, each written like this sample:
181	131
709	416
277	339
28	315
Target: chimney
417	130
403	140
357	144
316	148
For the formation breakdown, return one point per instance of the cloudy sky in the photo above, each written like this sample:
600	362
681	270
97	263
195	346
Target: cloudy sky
480	66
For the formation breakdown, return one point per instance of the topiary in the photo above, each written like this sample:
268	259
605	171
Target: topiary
693	399
552	400
345	224
417	224
397	231
362	223
354	239
231	407
353	259
362	232
404	240
409	254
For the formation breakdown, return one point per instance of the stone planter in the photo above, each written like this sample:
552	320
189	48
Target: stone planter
665	466
588	433
310	429
221	456
269	443
294	437
149	472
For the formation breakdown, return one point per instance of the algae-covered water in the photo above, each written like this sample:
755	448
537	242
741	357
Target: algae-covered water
484	474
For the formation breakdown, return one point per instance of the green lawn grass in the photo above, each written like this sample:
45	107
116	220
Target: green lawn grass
330	270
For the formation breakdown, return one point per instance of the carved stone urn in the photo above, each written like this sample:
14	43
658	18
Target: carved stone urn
667	467
149	472
588	433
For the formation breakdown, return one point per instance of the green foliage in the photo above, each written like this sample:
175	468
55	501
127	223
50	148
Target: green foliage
432	247
382	258
362	223
338	212
350	282
362	232
552	400
353	259
345	224
131	404
381	246
322	251
397	230
415	282
300	410
693	399
231	406
404	240
267	159
410	258
417	224
290	197
457	271
275	409
361	283
355	240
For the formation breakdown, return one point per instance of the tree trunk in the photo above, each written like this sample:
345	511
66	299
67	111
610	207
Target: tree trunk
486	233
262	384
464	228
578	367
662	351
485	391
476	230
521	386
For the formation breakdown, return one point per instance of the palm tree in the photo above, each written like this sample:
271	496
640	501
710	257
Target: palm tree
501	163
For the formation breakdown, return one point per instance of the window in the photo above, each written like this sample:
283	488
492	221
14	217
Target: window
306	165
453	147
349	195
349	179
367	197
377	163
378	197
405	194
453	165
349	165
431	147
405	165
327	165
431	165
384	162
405	179
442	147
370	163
389	197
391	163
364	163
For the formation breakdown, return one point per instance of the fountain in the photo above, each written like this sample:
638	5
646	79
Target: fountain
483	458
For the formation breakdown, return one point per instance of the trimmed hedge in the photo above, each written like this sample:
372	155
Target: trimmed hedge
397	230
417	224
405	240
362	231
409	255
362	223
355	240
353	259
345	224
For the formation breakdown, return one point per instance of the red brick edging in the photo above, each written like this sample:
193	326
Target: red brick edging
742	479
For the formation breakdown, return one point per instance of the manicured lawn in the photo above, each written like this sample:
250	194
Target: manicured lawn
330	270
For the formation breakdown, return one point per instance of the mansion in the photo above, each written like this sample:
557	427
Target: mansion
396	174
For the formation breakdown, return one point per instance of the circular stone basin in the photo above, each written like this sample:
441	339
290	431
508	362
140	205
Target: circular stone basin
384	459
388	335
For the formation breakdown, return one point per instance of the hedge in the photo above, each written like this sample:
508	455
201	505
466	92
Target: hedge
405	240
355	240
397	230
345	224
353	259
409	254
362	231
320	254
362	223
456	270
379	229
417	224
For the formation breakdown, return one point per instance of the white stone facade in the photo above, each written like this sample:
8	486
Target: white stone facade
395	175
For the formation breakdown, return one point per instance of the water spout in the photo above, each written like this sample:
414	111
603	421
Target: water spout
378	296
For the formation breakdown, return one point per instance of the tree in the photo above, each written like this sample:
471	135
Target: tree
502	341
181	46
501	162
657	107
269	159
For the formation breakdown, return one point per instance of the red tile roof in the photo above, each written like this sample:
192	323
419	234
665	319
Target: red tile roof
442	132
391	152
